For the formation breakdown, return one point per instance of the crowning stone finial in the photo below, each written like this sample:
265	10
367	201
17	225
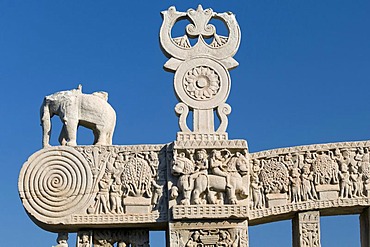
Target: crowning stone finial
202	81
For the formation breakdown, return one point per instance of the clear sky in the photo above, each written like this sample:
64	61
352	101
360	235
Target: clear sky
303	78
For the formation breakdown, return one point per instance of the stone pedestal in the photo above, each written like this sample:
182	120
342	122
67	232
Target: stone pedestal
306	229
276	199
137	205
364	228
328	191
209	233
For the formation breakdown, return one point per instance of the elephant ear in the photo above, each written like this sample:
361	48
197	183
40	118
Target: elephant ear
102	95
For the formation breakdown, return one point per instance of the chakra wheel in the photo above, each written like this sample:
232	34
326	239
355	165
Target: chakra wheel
55	183
202	83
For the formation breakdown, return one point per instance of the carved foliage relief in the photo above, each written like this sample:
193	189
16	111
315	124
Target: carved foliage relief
309	174
126	178
58	183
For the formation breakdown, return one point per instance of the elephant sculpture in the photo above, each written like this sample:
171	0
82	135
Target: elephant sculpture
75	108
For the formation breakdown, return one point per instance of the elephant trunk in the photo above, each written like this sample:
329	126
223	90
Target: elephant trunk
45	123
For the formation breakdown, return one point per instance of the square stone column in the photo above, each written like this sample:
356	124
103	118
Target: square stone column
208	233
306	229
364	228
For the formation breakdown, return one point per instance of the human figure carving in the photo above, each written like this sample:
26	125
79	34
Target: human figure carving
103	194
256	185
76	108
194	240
345	183
219	165
200	168
295	180
84	240
307	184
115	197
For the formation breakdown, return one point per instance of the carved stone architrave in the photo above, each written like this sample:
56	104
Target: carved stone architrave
66	188
209	233
306	229
365	228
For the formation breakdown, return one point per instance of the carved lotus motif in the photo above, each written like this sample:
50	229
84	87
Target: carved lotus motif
201	83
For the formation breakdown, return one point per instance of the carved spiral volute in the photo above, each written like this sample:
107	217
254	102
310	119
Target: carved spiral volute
55	183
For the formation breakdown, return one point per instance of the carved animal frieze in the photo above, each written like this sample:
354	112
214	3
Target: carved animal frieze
213	176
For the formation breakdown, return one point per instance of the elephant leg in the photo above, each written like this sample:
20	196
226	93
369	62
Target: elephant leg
199	187
63	136
102	135
71	132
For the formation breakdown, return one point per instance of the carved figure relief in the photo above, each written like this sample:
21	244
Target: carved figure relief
213	177
121	238
76	108
217	238
129	178
310	175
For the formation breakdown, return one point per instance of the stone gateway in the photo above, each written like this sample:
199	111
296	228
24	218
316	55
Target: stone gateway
203	189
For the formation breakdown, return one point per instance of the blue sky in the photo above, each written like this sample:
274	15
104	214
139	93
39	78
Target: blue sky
303	78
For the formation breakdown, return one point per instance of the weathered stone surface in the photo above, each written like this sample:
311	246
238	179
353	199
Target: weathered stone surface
306	229
203	188
202	81
66	187
76	108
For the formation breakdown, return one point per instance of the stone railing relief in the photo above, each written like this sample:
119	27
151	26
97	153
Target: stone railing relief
326	172
74	185
202	81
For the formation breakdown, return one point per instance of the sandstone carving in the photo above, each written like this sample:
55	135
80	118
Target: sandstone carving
202	81
202	188
109	238
76	108
200	183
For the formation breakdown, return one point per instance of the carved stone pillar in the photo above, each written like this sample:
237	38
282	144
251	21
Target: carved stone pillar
364	228
306	229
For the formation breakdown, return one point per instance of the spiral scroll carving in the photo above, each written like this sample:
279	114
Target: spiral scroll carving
55	182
